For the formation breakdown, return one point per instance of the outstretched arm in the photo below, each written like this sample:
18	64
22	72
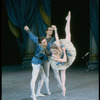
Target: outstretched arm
56	35
67	27
31	35
26	28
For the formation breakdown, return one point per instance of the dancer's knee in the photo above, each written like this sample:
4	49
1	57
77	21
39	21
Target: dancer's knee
32	81
47	75
43	77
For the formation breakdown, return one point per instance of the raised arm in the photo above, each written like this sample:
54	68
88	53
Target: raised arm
26	28
31	35
56	35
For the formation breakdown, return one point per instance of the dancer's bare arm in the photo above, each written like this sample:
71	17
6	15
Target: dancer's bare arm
26	28
56	35
64	59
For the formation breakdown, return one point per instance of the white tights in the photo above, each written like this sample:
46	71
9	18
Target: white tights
63	79
60	81
68	38
36	70
46	69
56	74
67	27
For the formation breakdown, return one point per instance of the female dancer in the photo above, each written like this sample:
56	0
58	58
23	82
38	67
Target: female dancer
63	53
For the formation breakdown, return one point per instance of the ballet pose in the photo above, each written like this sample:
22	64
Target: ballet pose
36	62
63	53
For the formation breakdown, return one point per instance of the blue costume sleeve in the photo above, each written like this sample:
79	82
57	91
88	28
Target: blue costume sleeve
52	39
33	37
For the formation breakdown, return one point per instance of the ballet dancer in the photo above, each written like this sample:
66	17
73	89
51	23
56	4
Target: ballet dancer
50	37
63	53
36	62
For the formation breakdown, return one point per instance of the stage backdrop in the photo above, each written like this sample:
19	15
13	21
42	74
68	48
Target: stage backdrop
94	20
26	12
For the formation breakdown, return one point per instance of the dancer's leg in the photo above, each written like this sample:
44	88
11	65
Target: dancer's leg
41	81
67	27
46	69
35	72
57	76
63	79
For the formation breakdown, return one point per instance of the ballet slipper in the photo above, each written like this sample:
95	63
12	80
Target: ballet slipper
68	16
48	93
34	98
39	94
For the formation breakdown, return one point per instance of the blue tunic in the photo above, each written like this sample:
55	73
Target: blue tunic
40	55
49	41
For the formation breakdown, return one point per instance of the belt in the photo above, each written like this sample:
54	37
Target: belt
39	58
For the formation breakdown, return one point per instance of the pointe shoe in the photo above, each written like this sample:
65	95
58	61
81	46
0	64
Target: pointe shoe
68	16
48	92
34	98
39	95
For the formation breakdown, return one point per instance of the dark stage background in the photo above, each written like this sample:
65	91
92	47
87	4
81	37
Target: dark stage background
80	24
80	29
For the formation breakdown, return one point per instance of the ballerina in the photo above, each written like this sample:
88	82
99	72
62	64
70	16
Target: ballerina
63	53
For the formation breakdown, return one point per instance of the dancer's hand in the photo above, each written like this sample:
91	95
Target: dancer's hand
63	48
54	27
26	28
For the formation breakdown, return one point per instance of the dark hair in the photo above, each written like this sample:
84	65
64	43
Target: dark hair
40	39
53	33
53	30
47	28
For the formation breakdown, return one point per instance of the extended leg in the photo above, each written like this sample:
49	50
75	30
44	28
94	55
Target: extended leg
35	72
47	69
40	83
63	79
67	27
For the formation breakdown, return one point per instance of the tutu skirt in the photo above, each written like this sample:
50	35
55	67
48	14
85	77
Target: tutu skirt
71	49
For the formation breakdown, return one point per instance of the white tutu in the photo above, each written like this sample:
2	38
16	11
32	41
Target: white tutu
71	49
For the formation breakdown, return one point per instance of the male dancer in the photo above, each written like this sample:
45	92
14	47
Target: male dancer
37	61
50	39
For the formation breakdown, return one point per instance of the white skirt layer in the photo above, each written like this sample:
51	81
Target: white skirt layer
71	49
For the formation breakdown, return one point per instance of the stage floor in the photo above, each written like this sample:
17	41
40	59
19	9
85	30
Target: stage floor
80	84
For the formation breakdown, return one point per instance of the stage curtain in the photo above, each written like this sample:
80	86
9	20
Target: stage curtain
25	12
94	19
